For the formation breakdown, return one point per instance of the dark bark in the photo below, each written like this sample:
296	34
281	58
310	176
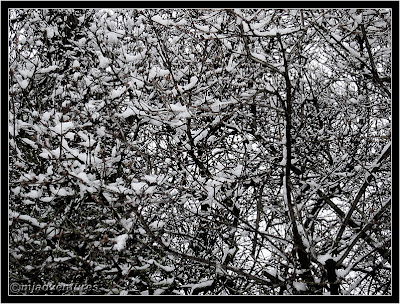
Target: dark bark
330	266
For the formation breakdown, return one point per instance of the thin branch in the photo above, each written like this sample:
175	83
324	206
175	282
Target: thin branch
371	60
272	280
363	231
385	154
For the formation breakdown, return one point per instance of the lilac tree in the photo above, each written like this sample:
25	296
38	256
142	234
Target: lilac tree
209	151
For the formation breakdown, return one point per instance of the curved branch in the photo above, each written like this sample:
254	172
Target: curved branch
272	280
385	154
363	231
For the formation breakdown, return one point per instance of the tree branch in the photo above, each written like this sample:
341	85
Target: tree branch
385	154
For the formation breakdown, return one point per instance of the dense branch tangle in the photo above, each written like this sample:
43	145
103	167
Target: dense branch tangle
201	151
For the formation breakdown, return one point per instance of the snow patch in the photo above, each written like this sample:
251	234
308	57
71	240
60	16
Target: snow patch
76	64
179	108
323	258
103	61
30	142
199	285
24	83
127	223
138	187
63	127
48	69
112	38
157	225
120	242
117	93
300	286
27	218
160	20
192	83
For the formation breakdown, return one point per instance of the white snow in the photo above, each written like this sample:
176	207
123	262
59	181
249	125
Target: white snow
62	259
30	142
157	72
181	22
81	42
178	107
103	61
33	194
120	242
157	224
26	73
284	192
46	115
48	69
63	127
206	28
245	27
76	76
138	187
127	223
24	83
138	83
313	184
258	56
342	273
127	113
218	105
357	18
159	19
200	136
166	268
69	135
142	231
352	51
100	267
52	153
47	199
151	178
50	32
117	93
63	192
27	218
190	85
162	72
226	252
16	190
88	143
231	65
237	171
133	58
45	154
257	26
112	38
323	258
202	284
84	177
300	286
272	272
151	190
76	64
